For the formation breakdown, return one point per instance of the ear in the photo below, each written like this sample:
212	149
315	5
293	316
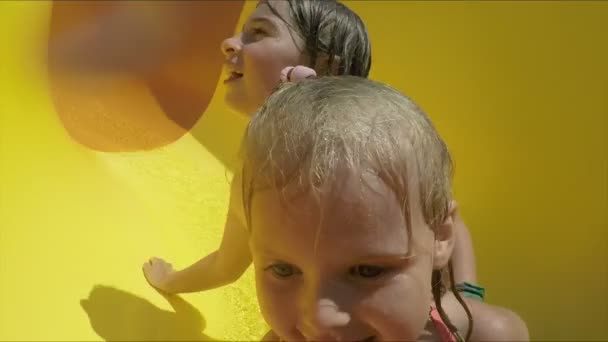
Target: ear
444	239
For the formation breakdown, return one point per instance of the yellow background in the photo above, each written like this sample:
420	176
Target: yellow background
518	89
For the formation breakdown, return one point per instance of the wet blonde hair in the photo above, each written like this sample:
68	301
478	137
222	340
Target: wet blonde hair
306	133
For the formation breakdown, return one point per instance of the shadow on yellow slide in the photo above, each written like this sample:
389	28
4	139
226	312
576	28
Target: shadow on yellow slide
117	315
118	147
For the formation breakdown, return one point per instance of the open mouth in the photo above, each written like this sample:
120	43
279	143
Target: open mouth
233	76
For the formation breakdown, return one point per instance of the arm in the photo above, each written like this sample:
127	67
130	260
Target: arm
463	256
219	268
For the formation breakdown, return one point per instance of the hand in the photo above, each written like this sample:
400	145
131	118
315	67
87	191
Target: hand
159	273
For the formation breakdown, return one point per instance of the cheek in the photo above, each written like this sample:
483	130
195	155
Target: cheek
398	311
264	63
276	305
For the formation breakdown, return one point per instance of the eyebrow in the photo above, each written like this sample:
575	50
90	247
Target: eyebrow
397	259
400	258
258	20
269	256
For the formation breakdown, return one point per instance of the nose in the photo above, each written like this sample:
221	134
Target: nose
321	319
231	46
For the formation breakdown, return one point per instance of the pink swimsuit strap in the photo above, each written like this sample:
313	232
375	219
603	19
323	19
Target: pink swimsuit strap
444	332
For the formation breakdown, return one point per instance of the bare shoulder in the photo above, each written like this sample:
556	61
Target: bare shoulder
490	323
493	323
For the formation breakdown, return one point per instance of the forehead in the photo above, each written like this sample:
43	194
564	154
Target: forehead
263	9
358	213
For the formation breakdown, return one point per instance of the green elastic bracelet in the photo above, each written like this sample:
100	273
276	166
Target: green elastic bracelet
471	291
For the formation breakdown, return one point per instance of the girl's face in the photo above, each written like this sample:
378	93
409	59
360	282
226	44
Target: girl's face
256	56
343	269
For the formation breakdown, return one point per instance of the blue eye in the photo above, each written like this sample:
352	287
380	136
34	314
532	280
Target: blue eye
257	31
283	270
367	271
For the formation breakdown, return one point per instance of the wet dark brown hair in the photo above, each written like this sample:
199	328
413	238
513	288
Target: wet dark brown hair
331	32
